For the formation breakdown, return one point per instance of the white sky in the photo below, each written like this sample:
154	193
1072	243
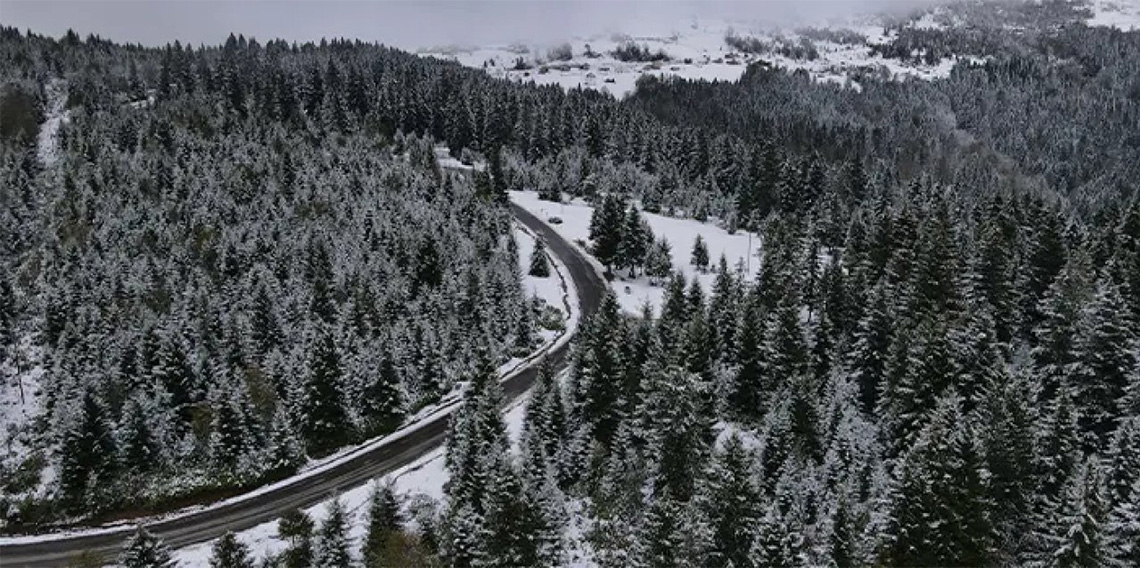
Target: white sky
408	24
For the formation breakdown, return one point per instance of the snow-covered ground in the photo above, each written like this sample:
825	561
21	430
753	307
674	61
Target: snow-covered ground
20	368
633	294
47	148
695	51
550	290
20	394
1120	14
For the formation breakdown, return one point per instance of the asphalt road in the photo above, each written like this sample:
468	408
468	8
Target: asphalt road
209	523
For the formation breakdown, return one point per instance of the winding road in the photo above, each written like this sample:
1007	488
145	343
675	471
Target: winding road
360	467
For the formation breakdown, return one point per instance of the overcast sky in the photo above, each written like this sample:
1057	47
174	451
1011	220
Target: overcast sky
404	23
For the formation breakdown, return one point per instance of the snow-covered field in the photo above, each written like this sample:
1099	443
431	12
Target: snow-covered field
1121	14
695	51
633	294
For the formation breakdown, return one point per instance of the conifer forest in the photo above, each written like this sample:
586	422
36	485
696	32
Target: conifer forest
222	263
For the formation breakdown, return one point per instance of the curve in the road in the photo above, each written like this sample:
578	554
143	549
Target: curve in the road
303	491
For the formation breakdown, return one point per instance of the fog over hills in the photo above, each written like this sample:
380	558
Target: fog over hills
405	24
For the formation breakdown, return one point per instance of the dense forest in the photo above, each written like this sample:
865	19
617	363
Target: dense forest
240	249
217	288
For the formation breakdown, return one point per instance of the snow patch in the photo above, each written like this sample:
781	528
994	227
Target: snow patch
632	294
21	370
55	116
1119	14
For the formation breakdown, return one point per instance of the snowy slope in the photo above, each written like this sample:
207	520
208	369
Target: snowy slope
47	146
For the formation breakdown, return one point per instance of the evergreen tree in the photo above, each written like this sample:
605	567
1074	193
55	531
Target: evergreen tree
777	544
1047	256
332	538
1058	445
636	238
539	267
872	340
597	386
748	390
144	550
544	430
1006	433
1122	531
724	306
1105	358
941	514
229	552
661	540
1077	529
841	545
326	424
382	402
606	226
659	260
7	317
1123	461
135	440
86	453
285	452
513	523
296	528
679	430
700	254
384	523
231	437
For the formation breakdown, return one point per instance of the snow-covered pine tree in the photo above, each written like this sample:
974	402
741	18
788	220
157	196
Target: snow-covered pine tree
1122	531
296	528
636	238
1104	353
543	436
941	510
539	266
332	544
659	260
733	505
661	540
1006	437
87	453
385	521
596	385
606	229
699	257
145	550
326	424
229	552
382	402
1123	461
1077	527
